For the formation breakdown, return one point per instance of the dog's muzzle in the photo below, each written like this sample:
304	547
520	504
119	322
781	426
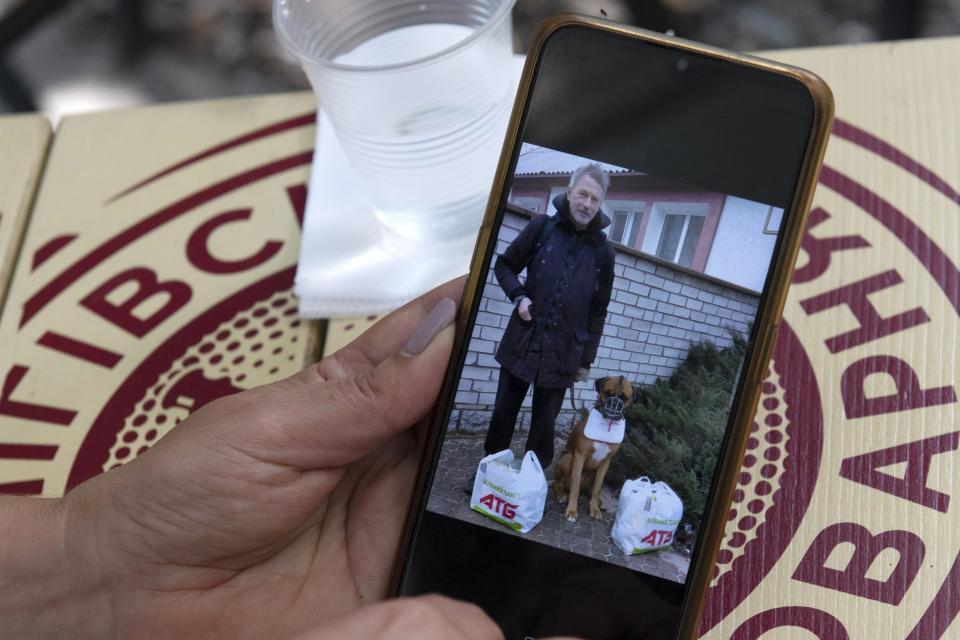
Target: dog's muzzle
612	408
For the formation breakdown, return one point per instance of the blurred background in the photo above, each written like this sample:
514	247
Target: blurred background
62	57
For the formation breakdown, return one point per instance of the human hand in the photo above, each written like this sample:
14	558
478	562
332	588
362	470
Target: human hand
272	511
524	309
429	617
583	374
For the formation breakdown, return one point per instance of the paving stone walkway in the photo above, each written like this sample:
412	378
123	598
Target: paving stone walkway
458	461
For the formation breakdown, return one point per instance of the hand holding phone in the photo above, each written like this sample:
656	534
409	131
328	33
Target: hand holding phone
296	489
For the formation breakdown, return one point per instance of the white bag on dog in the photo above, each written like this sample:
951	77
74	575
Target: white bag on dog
511	491
647	516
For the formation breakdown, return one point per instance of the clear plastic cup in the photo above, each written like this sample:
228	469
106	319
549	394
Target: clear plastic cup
419	94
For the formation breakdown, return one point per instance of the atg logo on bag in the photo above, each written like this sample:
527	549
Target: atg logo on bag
647	516
659	537
510	491
499	505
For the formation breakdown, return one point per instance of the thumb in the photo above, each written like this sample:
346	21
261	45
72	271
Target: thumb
335	422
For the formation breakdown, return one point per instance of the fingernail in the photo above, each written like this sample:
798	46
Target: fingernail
439	318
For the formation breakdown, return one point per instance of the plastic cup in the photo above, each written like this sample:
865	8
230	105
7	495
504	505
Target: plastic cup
419	94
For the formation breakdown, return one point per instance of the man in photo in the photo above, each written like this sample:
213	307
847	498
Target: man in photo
553	334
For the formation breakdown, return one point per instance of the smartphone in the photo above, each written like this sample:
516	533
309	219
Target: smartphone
645	219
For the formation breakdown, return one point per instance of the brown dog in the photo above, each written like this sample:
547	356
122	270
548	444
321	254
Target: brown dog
581	454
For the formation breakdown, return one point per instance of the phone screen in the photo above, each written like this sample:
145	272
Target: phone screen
608	340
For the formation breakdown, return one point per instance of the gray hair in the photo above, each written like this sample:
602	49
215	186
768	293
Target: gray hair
594	171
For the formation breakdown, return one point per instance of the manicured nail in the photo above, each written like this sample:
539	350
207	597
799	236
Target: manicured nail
439	318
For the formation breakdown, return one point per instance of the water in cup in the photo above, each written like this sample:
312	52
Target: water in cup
433	160
419	95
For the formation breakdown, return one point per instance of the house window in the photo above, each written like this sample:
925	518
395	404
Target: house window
772	224
625	221
625	226
675	231
530	203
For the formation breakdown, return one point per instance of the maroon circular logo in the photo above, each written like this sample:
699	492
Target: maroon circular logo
175	293
776	480
253	331
783	462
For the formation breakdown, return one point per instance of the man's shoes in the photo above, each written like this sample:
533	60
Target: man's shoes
468	485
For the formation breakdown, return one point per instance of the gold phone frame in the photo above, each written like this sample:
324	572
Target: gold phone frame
767	319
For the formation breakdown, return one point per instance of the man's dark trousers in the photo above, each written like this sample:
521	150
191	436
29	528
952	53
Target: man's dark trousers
511	391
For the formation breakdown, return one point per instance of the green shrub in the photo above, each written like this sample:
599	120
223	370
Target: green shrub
676	425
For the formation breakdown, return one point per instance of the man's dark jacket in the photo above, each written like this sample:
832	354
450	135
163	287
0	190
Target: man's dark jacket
569	279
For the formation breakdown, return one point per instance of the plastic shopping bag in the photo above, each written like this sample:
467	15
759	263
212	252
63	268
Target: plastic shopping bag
647	516
512	492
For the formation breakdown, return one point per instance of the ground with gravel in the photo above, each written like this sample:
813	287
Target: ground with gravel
458	462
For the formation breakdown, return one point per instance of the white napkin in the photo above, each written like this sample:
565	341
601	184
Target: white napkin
347	266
